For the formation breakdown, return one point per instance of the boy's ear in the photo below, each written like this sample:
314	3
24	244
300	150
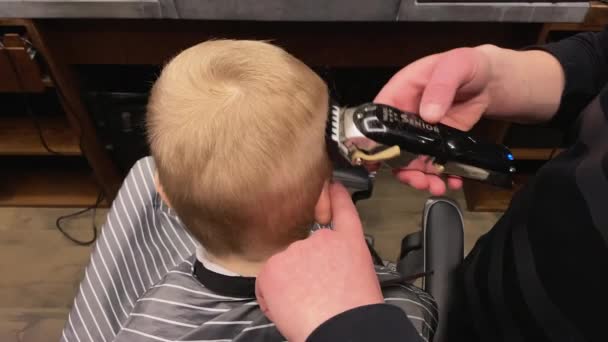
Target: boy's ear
323	207
160	189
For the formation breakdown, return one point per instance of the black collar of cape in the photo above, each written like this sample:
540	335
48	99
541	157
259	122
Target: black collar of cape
224	285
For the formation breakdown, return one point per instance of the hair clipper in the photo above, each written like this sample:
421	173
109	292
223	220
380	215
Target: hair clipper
379	133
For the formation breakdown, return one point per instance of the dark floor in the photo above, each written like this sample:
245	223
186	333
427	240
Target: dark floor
41	270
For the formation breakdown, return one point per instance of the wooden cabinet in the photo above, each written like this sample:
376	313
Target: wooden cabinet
41	156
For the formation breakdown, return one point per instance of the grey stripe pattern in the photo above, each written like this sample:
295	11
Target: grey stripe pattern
139	284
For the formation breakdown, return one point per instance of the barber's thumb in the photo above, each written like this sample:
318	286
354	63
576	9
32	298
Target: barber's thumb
436	100
343	211
454	69
432	112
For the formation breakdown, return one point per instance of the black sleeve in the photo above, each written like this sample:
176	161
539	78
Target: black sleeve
584	58
378	322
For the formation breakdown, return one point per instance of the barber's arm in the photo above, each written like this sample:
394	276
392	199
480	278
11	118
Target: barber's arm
457	87
325	288
584	59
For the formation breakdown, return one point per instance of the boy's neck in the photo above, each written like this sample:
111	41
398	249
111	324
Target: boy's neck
234	264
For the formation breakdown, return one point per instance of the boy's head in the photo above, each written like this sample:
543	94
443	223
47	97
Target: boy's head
237	131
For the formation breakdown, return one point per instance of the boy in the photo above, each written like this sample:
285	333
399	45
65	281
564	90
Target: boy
236	129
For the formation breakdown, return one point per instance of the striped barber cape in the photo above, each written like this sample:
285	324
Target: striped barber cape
144	282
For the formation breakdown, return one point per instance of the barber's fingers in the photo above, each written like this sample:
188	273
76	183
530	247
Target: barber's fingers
454	183
436	186
454	69
271	277
404	89
343	212
422	181
260	298
415	179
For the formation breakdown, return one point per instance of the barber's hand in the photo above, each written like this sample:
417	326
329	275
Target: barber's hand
451	88
319	277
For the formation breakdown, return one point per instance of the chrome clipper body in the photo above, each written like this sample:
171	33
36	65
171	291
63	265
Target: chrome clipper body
379	133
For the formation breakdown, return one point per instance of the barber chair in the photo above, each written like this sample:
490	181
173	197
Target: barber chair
432	254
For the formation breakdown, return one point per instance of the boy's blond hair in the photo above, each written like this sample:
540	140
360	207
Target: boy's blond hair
237	132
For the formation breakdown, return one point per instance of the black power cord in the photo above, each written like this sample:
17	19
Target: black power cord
26	103
94	227
34	118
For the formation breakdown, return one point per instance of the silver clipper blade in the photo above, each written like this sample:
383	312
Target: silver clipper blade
337	130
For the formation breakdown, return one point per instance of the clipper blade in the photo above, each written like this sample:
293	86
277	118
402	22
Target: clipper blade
335	135
334	123
335	127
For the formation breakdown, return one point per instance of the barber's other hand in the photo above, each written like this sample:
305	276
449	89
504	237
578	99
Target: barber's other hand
319	277
451	88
